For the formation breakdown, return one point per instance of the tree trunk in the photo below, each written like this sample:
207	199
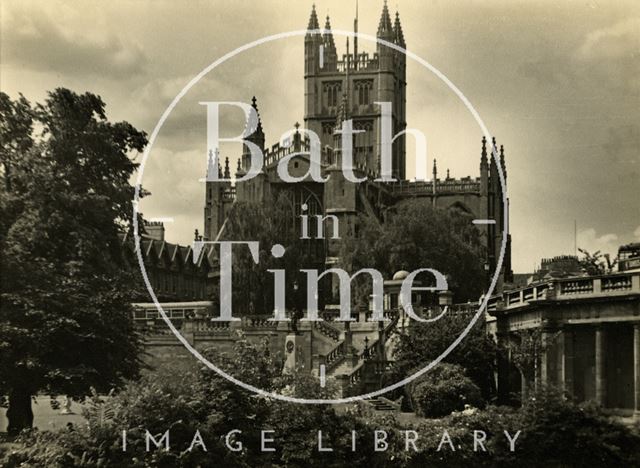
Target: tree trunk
19	412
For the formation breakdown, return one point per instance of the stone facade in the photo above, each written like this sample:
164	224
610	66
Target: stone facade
340	88
170	268
590	336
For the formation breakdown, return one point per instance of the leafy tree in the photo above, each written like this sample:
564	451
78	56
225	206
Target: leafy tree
426	341
269	224
16	127
65	314
563	433
444	390
597	263
553	432
415	235
526	349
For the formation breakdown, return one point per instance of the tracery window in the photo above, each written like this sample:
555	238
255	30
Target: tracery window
331	93
363	90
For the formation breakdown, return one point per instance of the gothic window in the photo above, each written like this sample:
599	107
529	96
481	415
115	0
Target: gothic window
363	89
366	125
363	144
331	93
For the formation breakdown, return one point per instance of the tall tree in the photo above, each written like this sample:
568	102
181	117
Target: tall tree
415	235
65	313
597	263
426	341
268	224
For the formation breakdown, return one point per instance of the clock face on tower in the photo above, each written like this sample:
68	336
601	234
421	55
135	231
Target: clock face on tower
281	233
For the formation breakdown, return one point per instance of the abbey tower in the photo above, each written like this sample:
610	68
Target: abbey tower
346	87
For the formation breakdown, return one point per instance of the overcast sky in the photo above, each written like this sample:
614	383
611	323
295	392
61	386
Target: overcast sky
558	83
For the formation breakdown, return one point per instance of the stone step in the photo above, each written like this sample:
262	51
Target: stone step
342	368
380	405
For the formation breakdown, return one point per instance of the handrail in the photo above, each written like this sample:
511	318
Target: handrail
335	356
327	329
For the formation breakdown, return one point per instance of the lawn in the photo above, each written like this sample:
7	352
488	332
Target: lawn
46	417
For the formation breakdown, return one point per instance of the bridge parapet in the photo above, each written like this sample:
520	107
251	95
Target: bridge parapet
568	289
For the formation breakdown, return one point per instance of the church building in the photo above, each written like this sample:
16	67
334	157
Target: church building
342	87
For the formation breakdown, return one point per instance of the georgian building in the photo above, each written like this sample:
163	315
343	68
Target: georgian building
589	334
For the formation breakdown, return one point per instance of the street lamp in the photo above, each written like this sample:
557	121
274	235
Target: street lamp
366	347
295	314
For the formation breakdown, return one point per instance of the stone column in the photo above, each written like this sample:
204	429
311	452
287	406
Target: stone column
636	367
601	382
548	370
544	360
524	388
566	369
362	313
502	337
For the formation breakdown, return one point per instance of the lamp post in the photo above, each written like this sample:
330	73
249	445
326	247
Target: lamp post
294	315
366	347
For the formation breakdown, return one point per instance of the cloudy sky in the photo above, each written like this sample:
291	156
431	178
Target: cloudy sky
558	83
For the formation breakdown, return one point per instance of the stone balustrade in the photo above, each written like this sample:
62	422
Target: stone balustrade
277	151
465	185
327	330
335	356
568	288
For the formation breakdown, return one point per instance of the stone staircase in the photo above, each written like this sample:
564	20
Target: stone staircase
384	404
327	330
349	368
344	367
334	358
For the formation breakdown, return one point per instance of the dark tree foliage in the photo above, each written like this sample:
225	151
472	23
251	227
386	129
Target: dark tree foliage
268	224
476	353
65	314
552	431
201	400
597	263
443	390
414	235
526	349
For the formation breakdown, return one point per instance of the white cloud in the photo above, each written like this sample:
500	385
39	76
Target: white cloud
637	232
606	243
612	54
38	40
612	41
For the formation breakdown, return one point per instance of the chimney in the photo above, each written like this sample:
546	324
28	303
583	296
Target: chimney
154	230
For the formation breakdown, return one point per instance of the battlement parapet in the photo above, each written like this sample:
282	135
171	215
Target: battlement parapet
446	186
363	62
278	151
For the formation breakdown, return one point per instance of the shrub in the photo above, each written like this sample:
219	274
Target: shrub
443	390
563	433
